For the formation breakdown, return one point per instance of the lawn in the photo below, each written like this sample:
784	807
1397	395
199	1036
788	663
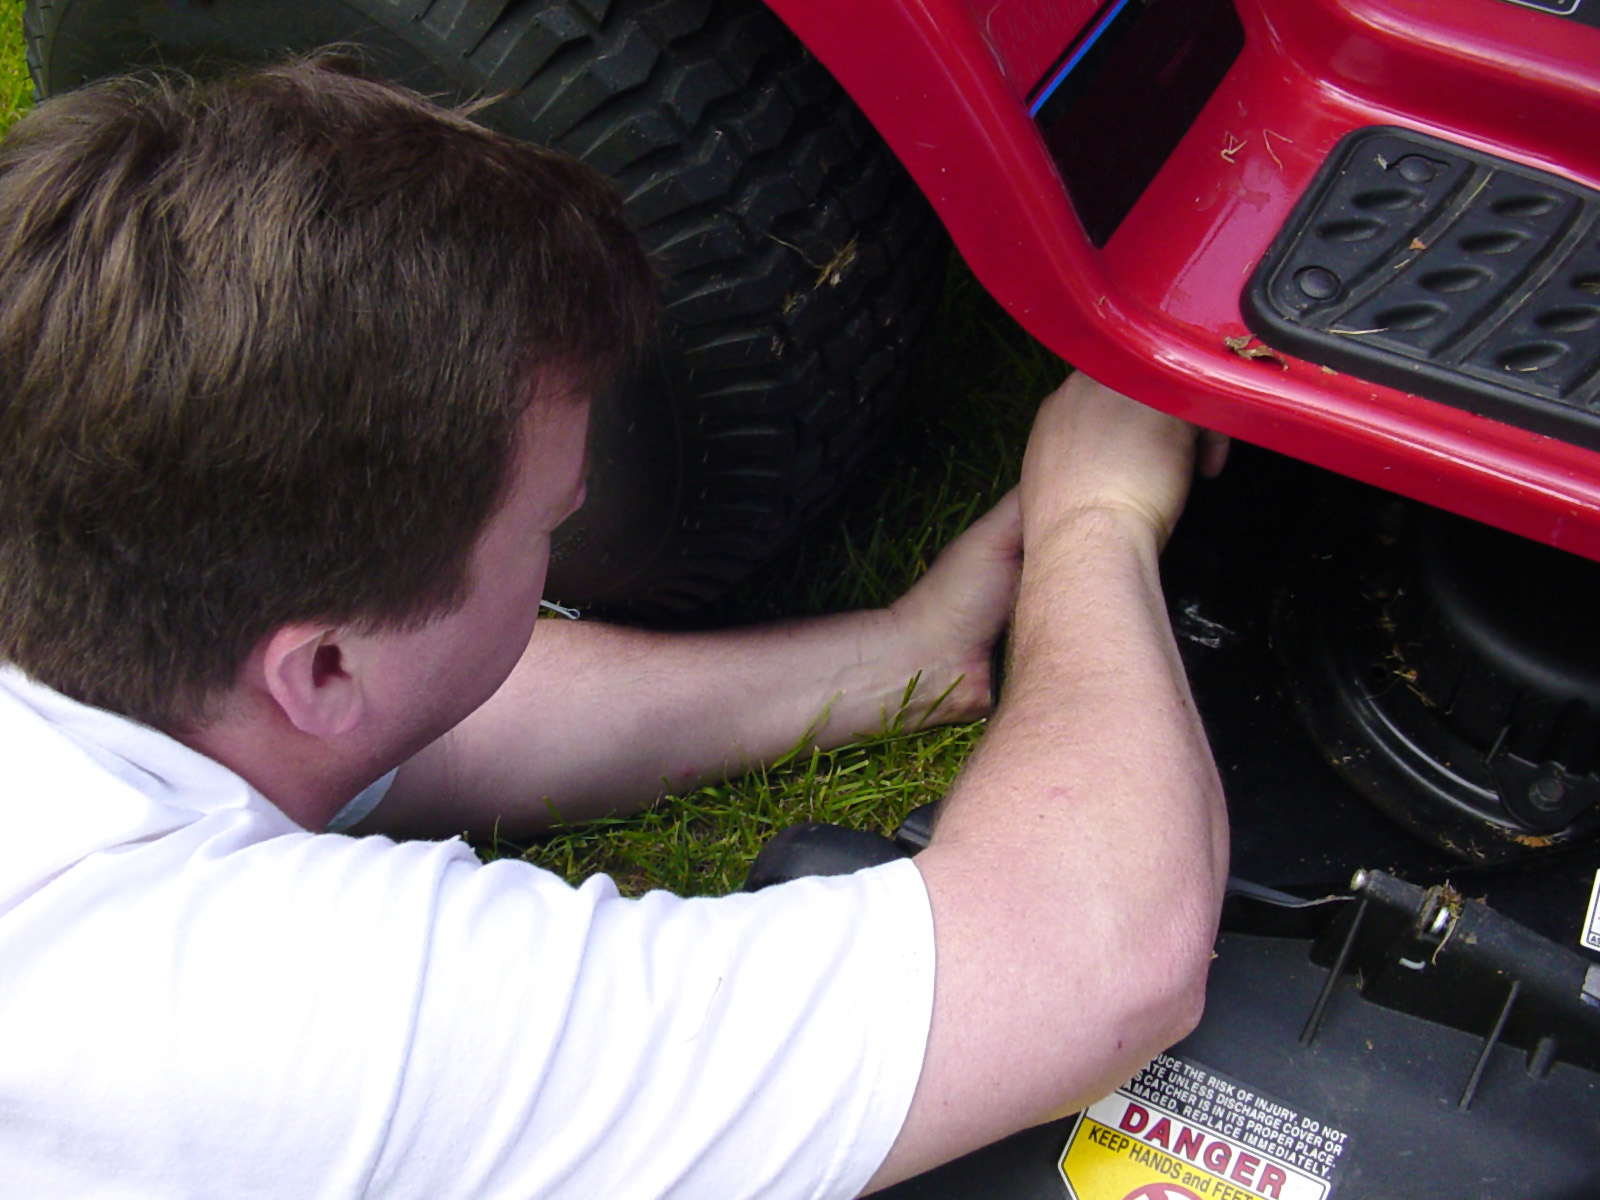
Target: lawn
14	90
953	451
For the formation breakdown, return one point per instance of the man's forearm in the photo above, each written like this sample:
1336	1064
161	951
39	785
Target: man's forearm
600	719
1098	713
1078	862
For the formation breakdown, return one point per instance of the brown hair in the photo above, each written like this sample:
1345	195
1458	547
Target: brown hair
264	344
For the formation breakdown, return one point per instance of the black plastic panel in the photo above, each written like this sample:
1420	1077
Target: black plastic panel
1447	273
1113	111
1392	1082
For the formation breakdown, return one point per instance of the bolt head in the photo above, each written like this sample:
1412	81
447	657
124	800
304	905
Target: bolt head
1547	792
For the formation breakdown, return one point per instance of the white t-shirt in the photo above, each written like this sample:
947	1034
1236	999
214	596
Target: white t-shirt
198	998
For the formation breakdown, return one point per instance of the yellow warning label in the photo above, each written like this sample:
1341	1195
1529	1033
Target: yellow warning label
1180	1132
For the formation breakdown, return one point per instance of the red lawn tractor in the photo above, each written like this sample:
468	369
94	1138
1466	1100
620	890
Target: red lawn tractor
1360	236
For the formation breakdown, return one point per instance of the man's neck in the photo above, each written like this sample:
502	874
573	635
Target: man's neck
308	779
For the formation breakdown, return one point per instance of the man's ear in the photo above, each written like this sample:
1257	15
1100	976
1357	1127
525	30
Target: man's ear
307	674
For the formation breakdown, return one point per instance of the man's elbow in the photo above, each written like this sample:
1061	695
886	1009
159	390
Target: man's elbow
1145	1004
1171	979
1151	990
1188	1003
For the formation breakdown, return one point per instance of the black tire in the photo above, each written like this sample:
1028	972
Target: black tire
798	257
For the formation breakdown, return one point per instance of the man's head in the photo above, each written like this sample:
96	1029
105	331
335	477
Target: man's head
265	348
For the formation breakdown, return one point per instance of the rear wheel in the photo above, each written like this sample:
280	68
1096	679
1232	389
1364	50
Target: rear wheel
796	253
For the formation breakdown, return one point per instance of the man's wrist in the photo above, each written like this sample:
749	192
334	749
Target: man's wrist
1091	528
938	679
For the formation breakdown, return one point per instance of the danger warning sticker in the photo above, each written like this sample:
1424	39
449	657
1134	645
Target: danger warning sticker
1179	1131
1591	924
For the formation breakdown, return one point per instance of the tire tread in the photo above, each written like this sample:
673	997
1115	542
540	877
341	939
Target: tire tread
797	254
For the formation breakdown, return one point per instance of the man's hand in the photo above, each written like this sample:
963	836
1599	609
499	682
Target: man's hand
956	611
1095	449
1091	449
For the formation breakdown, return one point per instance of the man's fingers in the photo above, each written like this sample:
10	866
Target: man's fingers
1095	448
1211	453
1000	527
983	560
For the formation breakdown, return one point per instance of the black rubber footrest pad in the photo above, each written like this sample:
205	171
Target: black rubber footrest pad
1446	273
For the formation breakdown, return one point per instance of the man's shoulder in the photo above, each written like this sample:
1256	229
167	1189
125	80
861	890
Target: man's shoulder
82	782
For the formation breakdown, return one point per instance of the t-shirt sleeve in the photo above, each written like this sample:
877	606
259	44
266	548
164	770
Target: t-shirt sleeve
323	1016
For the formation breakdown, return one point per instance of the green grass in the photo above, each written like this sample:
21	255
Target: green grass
953	451
15	91
702	843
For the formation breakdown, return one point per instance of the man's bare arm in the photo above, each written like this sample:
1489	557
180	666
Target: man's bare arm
1076	871
600	719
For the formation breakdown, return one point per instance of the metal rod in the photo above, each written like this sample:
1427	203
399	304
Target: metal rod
1543	1057
1314	1021
1489	1044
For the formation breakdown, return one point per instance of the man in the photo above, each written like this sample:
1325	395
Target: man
294	373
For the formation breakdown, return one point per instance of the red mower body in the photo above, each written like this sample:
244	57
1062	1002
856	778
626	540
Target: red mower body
1155	310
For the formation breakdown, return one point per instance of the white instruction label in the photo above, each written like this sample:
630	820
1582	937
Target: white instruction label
1563	8
1591	924
1178	1131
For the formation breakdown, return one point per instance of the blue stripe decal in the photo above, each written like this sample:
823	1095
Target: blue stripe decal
1077	57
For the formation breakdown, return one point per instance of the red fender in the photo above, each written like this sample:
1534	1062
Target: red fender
946	82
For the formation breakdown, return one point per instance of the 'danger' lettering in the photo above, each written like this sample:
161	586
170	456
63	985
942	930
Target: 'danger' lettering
1198	1147
1135	1119
1189	1143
